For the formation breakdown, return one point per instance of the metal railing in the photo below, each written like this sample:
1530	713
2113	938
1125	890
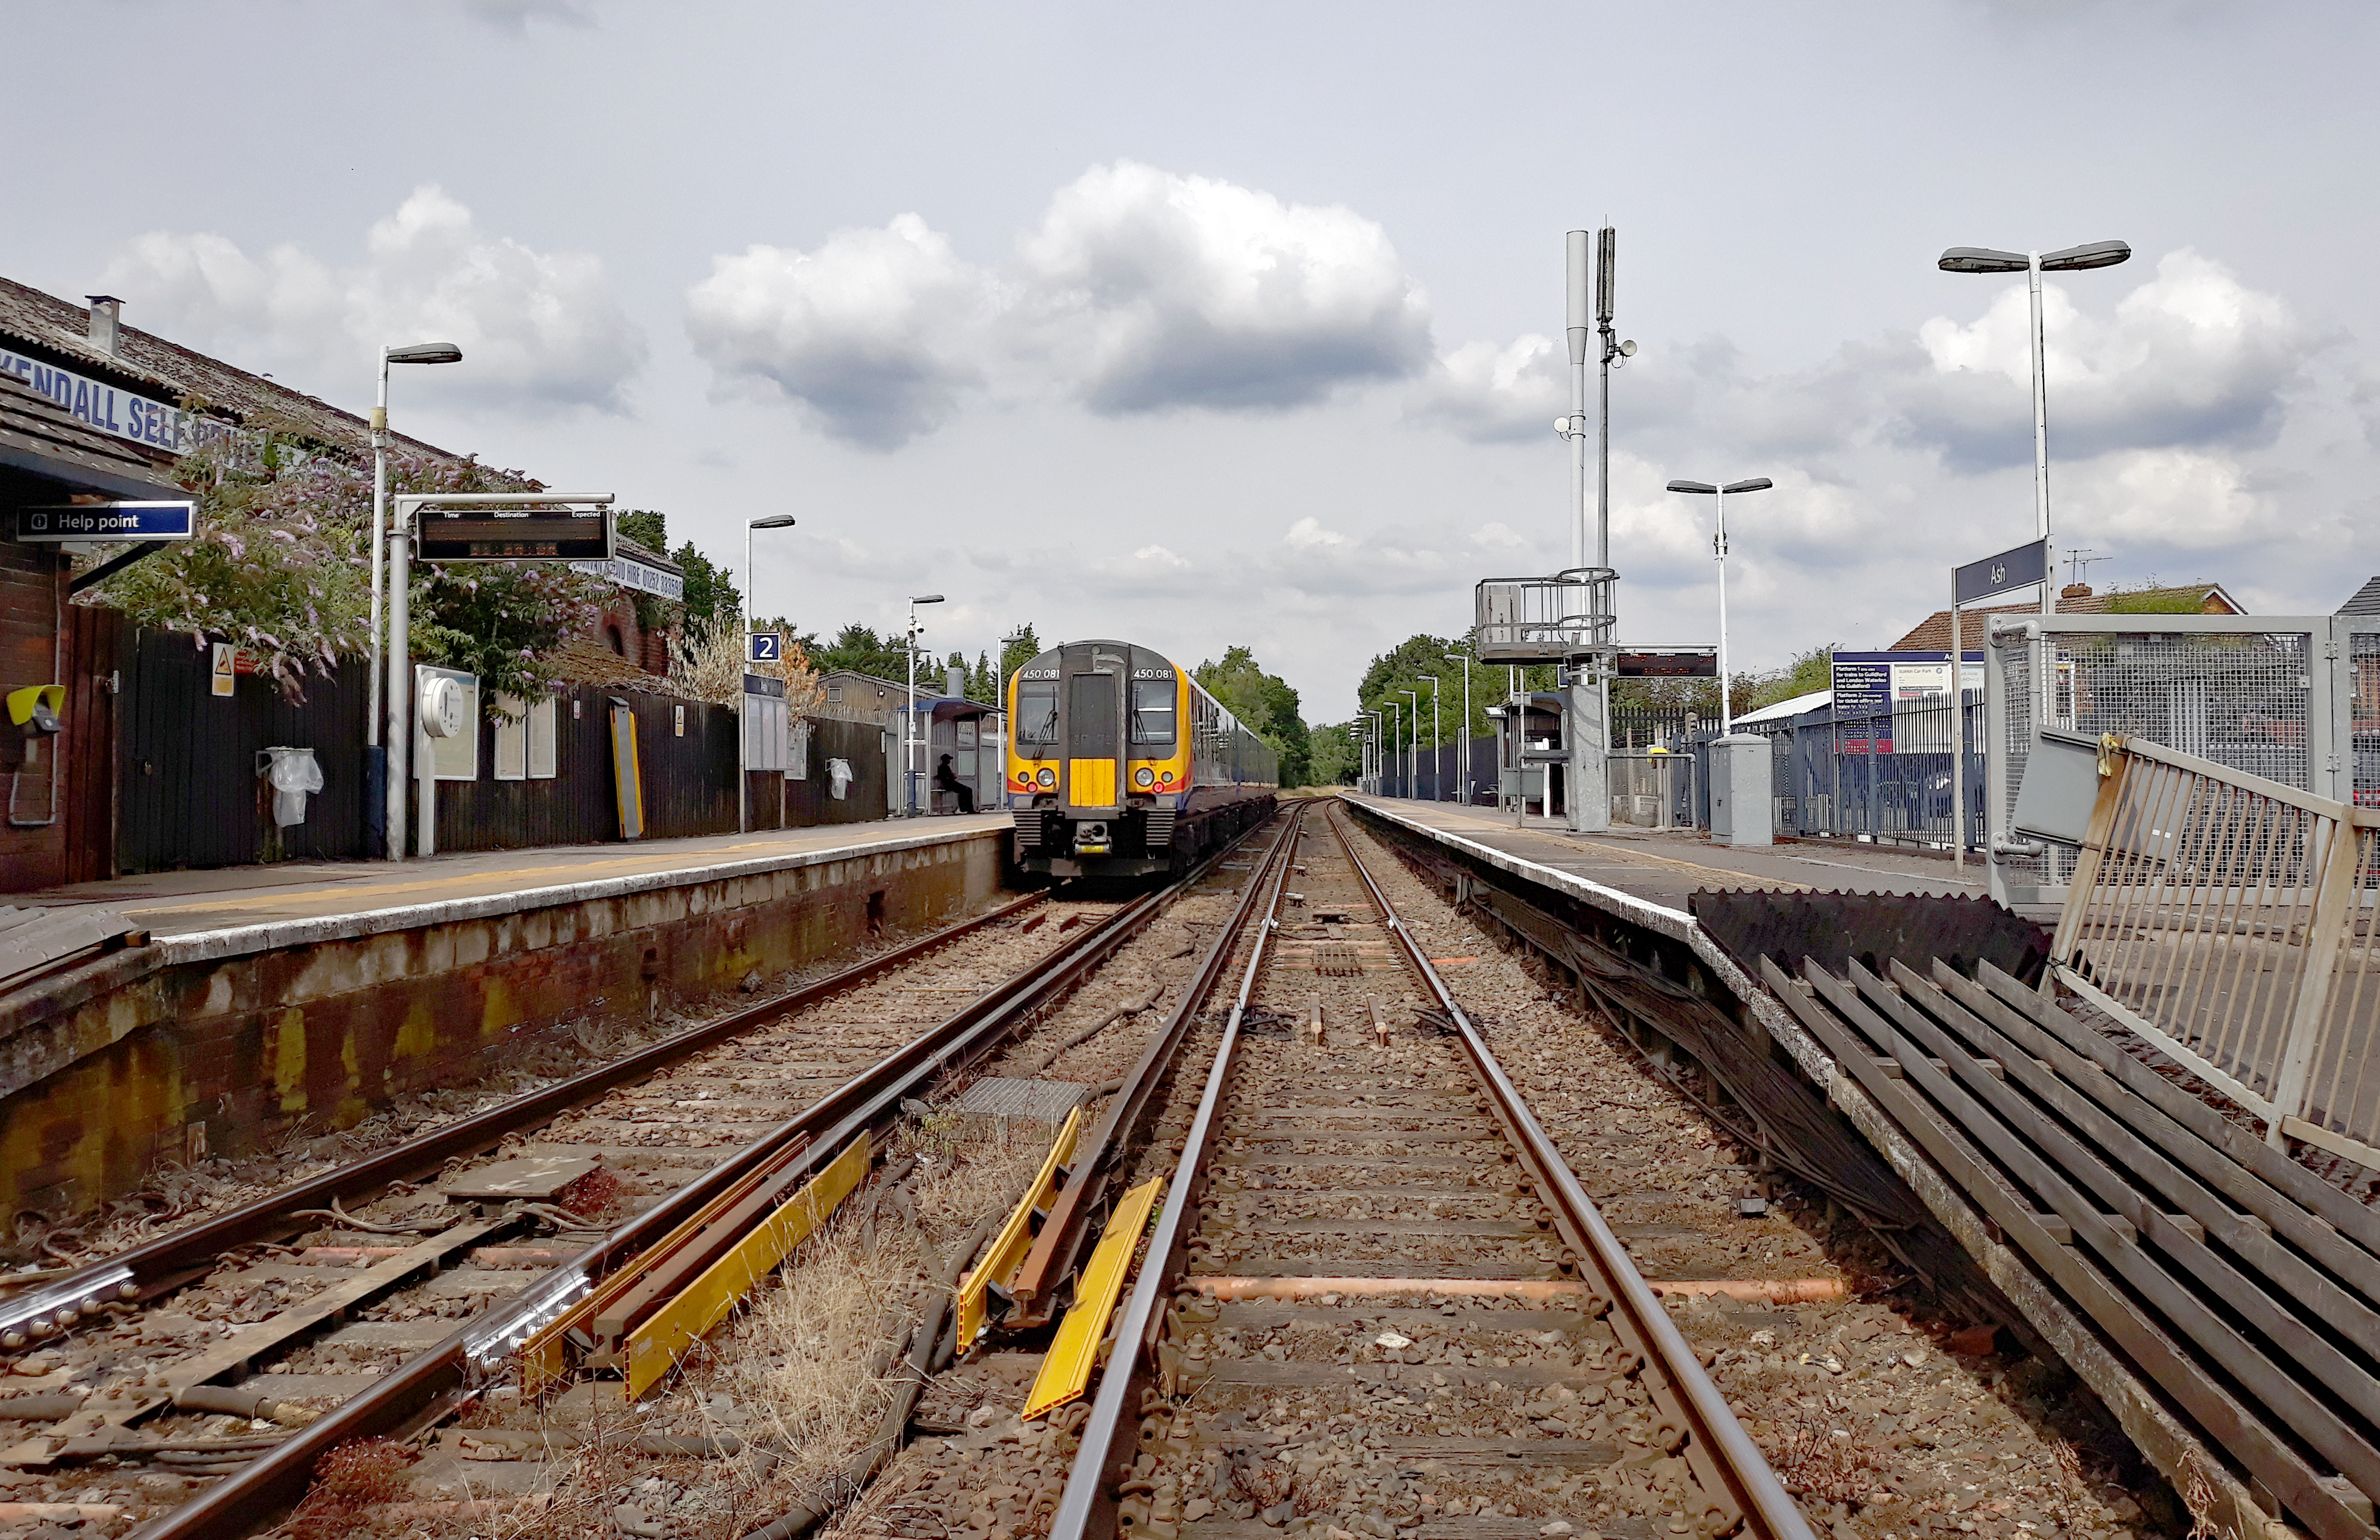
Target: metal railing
1883	776
2228	918
1542	620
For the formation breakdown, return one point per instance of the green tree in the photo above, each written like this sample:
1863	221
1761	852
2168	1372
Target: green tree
858	648
983	684
1333	758
1017	653
1265	704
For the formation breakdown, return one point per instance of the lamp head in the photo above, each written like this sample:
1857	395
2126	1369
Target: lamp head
775	521
1983	259
2075	258
1756	484
425	353
1692	486
926	598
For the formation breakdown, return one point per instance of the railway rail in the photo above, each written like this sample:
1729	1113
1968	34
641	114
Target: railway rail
1343	1172
179	1329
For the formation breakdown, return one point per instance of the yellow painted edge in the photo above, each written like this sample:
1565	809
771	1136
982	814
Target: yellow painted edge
1015	1237
1066	1368
654	1347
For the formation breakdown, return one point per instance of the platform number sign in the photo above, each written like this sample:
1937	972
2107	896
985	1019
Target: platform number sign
768	647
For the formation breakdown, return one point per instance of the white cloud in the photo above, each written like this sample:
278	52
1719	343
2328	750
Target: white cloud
514	15
1492	394
1495	535
1308	534
2191	357
1157	555
1162	290
2141	500
537	330
1139	291
878	333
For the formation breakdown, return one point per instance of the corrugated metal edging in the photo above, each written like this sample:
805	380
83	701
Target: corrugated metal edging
191	795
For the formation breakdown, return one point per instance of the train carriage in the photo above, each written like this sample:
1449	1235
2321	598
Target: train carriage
1119	764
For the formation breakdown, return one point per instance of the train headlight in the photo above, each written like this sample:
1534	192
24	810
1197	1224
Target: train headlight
1047	778
1143	777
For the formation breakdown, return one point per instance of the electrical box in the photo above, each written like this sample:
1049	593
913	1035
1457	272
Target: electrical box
1742	797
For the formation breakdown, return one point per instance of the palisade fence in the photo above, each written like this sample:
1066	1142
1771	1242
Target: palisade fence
1883	776
184	789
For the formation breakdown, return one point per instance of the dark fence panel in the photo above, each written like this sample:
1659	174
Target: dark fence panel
575	806
191	793
858	743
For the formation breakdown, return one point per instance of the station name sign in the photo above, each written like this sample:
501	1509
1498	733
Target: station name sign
2020	567
169	520
629	573
116	411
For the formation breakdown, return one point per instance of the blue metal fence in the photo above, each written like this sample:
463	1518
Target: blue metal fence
1882	776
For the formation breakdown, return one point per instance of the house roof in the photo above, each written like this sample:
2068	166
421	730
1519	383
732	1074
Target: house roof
2365	600
1796	705
37	436
1932	633
58	331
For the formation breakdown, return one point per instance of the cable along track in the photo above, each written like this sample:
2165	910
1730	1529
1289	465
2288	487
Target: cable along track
686	1118
1365	1213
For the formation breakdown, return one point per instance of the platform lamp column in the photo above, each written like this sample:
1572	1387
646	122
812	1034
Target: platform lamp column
743	708
1463	738
1719	553
909	731
375	757
1374	745
1436	744
1413	745
2033	264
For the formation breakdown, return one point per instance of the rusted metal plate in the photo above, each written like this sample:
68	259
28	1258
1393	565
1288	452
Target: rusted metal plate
536	1178
1874	928
1046	1101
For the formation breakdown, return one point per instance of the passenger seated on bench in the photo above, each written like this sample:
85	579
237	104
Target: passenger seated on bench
947	780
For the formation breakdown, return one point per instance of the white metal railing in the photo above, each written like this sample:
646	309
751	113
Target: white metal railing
2228	918
1537	620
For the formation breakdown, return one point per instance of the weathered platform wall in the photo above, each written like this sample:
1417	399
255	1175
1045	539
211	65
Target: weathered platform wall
224	1041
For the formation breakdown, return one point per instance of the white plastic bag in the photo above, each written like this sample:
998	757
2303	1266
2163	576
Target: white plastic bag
839	777
295	775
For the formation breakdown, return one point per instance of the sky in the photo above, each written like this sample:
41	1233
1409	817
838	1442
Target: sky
1242	323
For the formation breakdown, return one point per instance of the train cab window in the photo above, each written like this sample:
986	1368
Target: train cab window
1037	712
1152	712
1092	717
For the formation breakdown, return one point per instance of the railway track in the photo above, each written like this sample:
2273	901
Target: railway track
1375	1294
208	1371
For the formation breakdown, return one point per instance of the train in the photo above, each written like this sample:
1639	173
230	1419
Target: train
1119	764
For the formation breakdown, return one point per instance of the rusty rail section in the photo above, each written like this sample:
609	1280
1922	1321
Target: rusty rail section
167	1262
1744	1493
435	1382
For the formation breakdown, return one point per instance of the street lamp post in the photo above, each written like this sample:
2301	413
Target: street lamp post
742	715
1436	744
375	757
909	732
1396	734
1373	718
1463	738
2033	264
1412	748
1719	553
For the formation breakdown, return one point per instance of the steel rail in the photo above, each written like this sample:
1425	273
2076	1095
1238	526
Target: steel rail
166	1262
1088	1499
1066	1226
441	1378
1716	1445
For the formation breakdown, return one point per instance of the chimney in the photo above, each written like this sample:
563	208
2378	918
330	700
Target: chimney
2075	590
106	316
954	683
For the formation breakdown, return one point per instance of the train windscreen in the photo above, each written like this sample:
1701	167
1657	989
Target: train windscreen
1092	717
1037	712
1152	712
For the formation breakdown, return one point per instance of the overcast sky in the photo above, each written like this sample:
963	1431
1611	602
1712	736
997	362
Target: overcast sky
1229	323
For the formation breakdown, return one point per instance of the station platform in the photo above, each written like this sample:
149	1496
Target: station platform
336	899
1662	869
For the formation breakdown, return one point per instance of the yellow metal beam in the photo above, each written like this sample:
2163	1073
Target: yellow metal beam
1066	1370
655	1346
1015	1237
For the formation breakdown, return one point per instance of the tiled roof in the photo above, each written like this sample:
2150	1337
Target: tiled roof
36	435
43	324
1932	633
2365	600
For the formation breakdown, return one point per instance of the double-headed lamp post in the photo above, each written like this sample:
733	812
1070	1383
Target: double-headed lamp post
909	733
416	353
743	713
1719	553
1436	744
2033	264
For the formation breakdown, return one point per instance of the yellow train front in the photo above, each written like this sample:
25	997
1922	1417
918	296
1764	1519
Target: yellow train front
1121	765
